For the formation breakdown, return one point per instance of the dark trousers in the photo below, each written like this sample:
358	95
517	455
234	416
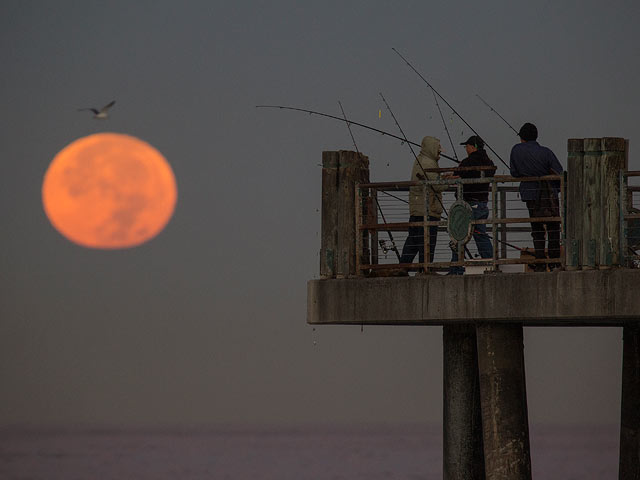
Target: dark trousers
415	241
538	230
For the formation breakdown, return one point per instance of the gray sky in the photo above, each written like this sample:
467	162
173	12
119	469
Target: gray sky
206	323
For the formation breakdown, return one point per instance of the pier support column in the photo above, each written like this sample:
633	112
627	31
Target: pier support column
630	421
504	402
463	456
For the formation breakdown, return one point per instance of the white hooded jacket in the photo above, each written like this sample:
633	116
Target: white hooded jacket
428	158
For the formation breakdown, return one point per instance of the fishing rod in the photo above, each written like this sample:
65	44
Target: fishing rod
448	104
409	144
445	124
496	112
311	112
435	194
497	240
382	244
349	128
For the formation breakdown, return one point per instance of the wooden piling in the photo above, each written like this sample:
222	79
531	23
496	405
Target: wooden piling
504	402
612	161
593	201
575	177
592	207
463	457
341	171
629	468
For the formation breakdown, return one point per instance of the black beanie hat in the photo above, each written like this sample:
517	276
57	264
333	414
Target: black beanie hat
528	132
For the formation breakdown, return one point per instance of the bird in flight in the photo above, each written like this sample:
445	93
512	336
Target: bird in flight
102	113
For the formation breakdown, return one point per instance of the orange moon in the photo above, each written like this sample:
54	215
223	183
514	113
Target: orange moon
109	191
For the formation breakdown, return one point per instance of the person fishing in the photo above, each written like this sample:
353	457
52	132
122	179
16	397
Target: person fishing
427	158
477	196
530	159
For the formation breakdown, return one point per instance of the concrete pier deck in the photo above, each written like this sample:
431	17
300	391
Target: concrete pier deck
563	298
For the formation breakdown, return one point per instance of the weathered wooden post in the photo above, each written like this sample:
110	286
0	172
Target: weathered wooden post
613	160
575	177
463	456
593	202
340	172
592	206
503	395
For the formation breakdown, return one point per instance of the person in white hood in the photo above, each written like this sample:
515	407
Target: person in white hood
428	158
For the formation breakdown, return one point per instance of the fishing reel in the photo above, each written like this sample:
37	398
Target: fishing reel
387	248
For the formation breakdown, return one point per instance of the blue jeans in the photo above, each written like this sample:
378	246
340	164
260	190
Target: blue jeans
415	241
479	211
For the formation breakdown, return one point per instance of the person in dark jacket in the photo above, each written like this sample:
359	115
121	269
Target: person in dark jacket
530	159
477	196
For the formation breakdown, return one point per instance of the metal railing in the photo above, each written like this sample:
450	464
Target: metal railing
630	218
382	226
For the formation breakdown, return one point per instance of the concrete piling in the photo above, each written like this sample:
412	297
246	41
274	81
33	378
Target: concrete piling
630	413
463	456
503	395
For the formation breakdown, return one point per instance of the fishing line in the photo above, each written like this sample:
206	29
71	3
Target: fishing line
448	104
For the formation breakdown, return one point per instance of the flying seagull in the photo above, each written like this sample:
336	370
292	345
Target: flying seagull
102	113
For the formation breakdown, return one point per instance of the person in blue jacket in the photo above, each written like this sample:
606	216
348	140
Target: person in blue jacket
530	159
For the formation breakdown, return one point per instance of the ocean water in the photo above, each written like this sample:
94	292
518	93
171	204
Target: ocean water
310	453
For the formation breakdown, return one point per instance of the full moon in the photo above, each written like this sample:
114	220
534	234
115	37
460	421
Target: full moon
109	191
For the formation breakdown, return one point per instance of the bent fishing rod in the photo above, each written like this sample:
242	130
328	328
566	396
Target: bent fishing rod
312	112
448	104
393	243
496	112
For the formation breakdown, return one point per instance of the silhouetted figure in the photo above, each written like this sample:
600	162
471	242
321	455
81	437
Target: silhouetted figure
530	159
477	196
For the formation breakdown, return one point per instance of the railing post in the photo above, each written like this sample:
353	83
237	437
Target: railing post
360	213
459	245
503	226
624	207
426	238
494	225
373	215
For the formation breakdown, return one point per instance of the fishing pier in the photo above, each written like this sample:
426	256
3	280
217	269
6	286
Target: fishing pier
483	312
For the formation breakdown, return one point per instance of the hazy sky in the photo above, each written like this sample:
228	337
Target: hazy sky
206	323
